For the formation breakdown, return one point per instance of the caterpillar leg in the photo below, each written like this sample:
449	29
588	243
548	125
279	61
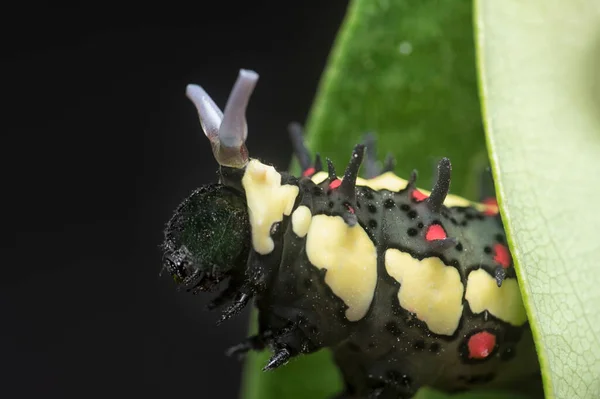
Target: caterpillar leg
259	342
365	379
376	393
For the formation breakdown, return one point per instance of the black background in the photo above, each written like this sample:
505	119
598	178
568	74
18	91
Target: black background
99	145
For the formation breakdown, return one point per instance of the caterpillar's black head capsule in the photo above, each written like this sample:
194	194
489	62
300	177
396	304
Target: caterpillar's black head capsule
208	238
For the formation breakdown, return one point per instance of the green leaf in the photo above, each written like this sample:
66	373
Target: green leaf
404	70
540	77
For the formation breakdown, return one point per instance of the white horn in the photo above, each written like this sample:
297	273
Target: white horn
227	132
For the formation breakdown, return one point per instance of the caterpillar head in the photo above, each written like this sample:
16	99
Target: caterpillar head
207	239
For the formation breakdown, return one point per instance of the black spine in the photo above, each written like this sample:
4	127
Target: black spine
348	186
441	187
300	150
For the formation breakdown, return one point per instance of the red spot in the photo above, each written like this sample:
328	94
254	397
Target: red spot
481	345
309	172
491	206
418	196
501	255
435	232
335	184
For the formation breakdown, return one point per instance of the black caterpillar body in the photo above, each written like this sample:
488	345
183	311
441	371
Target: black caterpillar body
408	288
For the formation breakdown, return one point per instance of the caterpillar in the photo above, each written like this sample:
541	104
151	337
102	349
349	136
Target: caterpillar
407	287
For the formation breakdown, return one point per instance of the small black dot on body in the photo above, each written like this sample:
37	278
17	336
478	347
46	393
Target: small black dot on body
389	203
330	204
393	376
435	347
405	207
480	378
459	247
353	347
406	380
372	224
372	208
412	232
397	378
487	250
317	192
507	354
393	328
454	221
412	214
420	225
368	194
419	344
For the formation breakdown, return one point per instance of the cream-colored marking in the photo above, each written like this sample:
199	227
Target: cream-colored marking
319	177
391	182
386	181
428	288
301	219
503	302
267	201
350	258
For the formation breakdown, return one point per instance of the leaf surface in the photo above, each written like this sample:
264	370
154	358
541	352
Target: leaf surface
539	64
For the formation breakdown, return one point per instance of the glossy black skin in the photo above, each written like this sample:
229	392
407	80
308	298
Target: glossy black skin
208	237
389	353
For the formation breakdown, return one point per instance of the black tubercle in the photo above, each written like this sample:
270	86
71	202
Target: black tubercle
500	275
412	180
331	169
348	186
300	150
318	164
371	168
389	164
441	187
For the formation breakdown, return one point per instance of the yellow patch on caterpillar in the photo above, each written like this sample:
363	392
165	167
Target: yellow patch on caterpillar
386	181
350	258
502	302
267	202
319	177
428	288
301	219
